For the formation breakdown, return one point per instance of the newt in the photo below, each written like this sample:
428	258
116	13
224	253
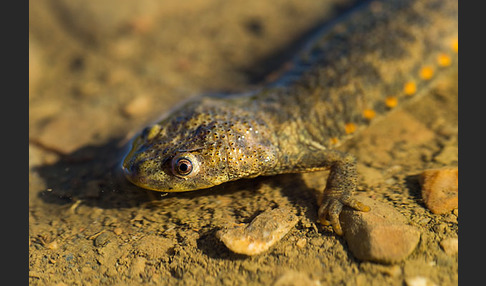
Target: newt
365	63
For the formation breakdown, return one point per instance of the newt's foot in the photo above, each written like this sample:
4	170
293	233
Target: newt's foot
331	207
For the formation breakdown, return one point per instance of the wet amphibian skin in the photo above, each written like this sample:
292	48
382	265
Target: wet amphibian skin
354	70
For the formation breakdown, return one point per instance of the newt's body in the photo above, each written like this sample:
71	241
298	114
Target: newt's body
377	56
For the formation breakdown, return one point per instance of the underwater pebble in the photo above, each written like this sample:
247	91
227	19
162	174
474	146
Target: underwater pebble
262	233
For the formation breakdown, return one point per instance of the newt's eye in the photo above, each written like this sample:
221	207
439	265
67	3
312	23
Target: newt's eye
185	165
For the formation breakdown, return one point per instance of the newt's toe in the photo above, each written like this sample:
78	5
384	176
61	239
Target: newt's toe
329	215
331	208
357	205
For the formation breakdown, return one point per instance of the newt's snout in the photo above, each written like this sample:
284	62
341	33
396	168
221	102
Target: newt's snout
135	171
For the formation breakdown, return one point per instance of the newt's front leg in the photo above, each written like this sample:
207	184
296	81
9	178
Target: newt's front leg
340	186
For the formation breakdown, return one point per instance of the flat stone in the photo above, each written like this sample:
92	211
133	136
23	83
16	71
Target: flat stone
380	235
263	232
440	189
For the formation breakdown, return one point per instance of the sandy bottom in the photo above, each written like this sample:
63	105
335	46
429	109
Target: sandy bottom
101	70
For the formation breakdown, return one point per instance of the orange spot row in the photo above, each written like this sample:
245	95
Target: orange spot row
409	88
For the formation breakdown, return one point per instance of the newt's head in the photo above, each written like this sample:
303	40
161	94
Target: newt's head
200	145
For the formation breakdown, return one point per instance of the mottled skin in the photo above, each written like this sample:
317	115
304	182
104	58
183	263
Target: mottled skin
357	63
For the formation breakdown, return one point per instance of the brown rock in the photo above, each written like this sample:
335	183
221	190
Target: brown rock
440	189
380	235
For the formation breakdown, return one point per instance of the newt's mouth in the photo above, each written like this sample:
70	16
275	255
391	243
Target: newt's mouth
135	170
133	175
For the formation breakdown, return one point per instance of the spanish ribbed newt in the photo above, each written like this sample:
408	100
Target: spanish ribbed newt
351	72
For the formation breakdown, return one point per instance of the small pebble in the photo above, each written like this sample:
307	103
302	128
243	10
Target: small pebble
137	106
52	245
440	228
262	233
418	281
380	235
118	230
440	189
424	221
301	243
450	245
102	239
317	241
